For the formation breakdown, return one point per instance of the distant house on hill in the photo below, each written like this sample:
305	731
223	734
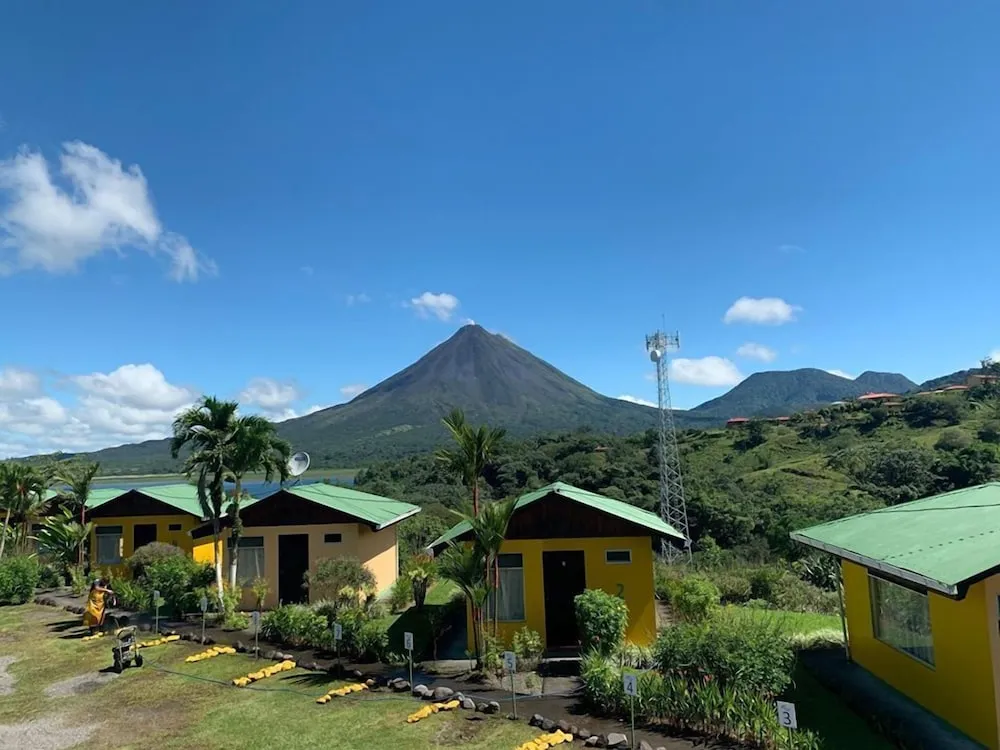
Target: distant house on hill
878	397
981	379
737	421
950	388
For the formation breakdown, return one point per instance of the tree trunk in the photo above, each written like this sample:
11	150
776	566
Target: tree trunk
475	499
477	617
83	514
217	541
496	596
3	535
234	535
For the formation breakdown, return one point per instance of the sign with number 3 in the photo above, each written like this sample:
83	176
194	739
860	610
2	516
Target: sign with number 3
786	715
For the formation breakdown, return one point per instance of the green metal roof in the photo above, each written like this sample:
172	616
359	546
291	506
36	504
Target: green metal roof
938	542
616	508
372	509
183	497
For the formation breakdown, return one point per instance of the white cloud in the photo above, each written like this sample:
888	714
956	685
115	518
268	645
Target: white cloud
269	394
441	306
636	400
750	350
350	391
468	322
140	386
994	355
708	371
17	382
357	299
761	310
106	208
841	374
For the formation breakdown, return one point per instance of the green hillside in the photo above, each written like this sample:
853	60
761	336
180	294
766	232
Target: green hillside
746	487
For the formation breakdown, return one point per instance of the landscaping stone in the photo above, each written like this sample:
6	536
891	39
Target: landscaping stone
481	708
356	674
591	741
563	726
468	704
645	746
617	740
458	697
421	691
270	655
548	725
399	685
511	717
582	734
536	720
574	729
492	708
310	665
240	647
370	683
443	693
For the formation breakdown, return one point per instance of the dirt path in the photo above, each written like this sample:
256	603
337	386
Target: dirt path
83	683
6	678
44	734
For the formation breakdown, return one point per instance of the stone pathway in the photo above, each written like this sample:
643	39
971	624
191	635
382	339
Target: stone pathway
6	678
44	734
83	683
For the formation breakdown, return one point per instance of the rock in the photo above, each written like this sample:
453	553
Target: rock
468	704
602	741
645	746
400	686
310	665
458	697
548	725
145	627
481	708
617	740
492	708
421	691
208	641
240	647
356	674
270	655
563	726
582	734
370	683
591	741
536	720
443	693
574	729
511	717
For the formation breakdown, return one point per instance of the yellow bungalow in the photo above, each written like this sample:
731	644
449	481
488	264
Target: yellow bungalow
560	541
126	519
288	532
922	601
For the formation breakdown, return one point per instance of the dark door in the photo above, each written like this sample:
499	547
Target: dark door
143	533
293	562
563	577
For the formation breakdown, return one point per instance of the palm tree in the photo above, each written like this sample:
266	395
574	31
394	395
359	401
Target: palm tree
489	529
23	497
63	537
254	448
208	428
473	451
463	565
79	478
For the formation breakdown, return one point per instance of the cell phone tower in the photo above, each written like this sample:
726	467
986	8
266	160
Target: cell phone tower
673	508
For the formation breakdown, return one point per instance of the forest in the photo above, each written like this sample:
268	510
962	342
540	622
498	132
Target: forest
747	487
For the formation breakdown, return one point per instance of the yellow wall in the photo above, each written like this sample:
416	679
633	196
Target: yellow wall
377	550
177	538
959	687
636	579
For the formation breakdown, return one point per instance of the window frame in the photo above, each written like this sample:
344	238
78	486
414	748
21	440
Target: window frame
175	527
116	532
504	560
874	581
248	542
608	561
338	540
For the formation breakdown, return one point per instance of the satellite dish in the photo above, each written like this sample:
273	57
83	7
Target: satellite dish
655	355
298	464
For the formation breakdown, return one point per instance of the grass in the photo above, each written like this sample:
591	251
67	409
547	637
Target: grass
170	704
794	623
439	596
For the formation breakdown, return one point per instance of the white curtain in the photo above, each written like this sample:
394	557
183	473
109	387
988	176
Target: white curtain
902	618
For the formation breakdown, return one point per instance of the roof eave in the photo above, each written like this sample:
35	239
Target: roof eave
873	564
397	519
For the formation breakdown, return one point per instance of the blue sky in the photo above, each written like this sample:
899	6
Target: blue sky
285	201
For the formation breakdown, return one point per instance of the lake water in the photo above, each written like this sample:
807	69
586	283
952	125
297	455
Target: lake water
256	489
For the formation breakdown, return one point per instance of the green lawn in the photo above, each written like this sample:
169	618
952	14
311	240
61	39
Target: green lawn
171	704
795	623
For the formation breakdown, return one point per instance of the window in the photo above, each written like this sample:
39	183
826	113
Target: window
618	556
901	618
249	560
508	600
174	527
109	545
332	538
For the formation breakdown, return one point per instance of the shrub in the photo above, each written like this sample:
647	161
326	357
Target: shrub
400	594
796	595
132	595
989	432
528	647
150	553
260	589
742	649
695	599
363	638
763	581
49	577
77	580
602	619
953	439
177	579
235	621
19	577
333	575
734	586
295	625
421	570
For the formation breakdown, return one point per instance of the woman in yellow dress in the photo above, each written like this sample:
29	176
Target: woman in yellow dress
93	615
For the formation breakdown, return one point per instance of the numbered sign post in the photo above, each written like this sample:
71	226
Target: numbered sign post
786	716
156	611
204	610
255	619
408	645
631	684
338	634
510	664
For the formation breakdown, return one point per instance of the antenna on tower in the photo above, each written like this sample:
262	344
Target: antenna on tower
673	508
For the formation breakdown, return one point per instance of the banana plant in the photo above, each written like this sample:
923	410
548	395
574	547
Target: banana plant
62	536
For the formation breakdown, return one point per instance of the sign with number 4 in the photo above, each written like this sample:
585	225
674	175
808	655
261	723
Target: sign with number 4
786	715
408	641
631	684
204	604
